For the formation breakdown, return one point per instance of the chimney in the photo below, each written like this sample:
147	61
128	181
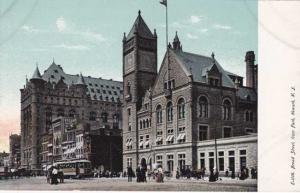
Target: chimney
250	74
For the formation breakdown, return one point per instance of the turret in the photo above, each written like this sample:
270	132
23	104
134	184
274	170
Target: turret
176	43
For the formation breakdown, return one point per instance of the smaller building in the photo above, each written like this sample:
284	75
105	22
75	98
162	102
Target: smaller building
72	138
15	151
3	158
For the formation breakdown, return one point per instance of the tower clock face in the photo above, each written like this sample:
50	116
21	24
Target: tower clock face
147	61
129	62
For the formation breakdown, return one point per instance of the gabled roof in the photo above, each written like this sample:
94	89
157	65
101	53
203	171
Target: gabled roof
198	65
36	74
140	27
98	88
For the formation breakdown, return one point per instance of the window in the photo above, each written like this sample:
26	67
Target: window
159	160
60	112
243	159
249	116
181	129
141	142
116	118
181	161
72	113
129	144
92	116
147	142
227	132
203	132
104	117
129	119
211	160
202	160
221	161
170	131
158	114
170	84
170	163
129	162
203	107
226	110
181	109
169	112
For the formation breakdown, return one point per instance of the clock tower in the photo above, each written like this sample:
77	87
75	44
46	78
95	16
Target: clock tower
139	61
139	74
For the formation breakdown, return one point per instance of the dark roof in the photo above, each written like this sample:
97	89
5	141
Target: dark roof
198	65
246	92
140	27
98	88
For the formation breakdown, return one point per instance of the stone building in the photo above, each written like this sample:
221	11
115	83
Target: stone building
190	113
57	94
15	150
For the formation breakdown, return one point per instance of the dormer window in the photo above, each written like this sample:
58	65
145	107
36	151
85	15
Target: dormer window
213	81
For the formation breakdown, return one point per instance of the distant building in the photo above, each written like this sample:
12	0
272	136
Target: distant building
71	138
55	94
190	113
3	158
15	150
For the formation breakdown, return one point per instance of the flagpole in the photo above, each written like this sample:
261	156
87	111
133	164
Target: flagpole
167	41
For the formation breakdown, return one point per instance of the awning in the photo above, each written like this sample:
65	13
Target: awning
158	139
141	143
170	138
179	136
183	136
147	142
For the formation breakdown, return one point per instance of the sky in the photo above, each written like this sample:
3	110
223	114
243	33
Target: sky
86	36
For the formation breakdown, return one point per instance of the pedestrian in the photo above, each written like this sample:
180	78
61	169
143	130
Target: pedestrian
129	173
138	174
177	173
54	176
203	173
61	175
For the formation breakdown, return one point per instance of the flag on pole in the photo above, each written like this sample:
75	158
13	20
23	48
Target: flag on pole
164	2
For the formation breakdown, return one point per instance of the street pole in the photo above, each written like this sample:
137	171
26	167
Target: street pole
216	152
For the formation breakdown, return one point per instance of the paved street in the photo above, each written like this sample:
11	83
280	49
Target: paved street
39	183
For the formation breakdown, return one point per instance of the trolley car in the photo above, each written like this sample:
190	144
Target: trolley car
75	168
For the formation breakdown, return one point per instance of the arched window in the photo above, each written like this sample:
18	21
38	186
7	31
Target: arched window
227	110
251	116
141	124
147	123
72	113
247	115
128	88
60	112
48	118
181	109
203	107
158	114
144	124
170	111
93	115
116	121
104	117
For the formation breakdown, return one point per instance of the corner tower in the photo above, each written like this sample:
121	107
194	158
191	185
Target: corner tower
139	74
139	60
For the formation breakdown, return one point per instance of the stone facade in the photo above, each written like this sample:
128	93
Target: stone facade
56	94
191	99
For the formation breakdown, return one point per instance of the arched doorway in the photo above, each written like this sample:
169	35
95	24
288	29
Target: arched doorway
143	163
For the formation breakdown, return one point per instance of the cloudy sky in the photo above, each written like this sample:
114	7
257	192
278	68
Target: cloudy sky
86	36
